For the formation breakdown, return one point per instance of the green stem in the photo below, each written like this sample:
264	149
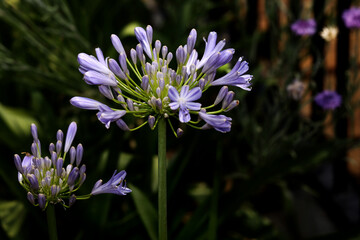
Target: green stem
50	214
162	179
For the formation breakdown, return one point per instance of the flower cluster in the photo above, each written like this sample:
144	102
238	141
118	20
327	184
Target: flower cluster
146	86
351	17
47	180
328	100
304	27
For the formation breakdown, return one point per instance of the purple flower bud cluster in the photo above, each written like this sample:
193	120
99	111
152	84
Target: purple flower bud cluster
147	86
50	179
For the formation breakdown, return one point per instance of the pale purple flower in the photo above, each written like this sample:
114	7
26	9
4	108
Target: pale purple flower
236	77
146	86
296	89
115	185
304	27
142	37
220	123
184	101
211	47
351	17
328	100
106	115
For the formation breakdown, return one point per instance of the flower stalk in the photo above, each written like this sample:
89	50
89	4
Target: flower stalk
162	207
51	220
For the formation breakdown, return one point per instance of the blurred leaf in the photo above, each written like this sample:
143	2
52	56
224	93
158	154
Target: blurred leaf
128	30
146	210
124	160
17	120
12	215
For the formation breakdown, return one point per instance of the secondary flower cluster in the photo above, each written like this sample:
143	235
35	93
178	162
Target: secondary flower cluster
307	27
47	180
146	86
328	100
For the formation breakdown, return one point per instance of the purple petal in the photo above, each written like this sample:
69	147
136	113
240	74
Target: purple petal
70	136
85	103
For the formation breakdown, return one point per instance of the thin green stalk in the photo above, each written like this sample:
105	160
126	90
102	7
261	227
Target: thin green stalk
162	179
51	220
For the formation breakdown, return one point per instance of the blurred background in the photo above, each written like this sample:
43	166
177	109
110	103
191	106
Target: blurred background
287	170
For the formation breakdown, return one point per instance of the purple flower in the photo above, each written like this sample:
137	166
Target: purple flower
146	85
52	180
328	99
351	17
90	63
210	48
304	27
106	115
184	101
142	37
220	123
236	77
115	185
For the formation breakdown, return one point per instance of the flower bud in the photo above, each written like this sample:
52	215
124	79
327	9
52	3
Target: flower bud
34	132
72	154
79	154
232	105
34	184
179	132
133	56
59	135
73	176
151	121
222	93
51	147
72	200
58	147
227	100
17	161
122	125
42	201
30	197
59	165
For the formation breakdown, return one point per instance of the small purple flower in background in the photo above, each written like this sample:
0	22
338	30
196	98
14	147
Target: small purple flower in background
303	27
351	17
145	85
328	100
296	89
48	180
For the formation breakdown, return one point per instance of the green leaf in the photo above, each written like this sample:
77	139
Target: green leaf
146	210
17	120
12	215
128	30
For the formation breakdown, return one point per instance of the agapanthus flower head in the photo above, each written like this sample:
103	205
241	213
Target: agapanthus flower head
351	17
303	27
329	33
328	99
146	85
51	179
